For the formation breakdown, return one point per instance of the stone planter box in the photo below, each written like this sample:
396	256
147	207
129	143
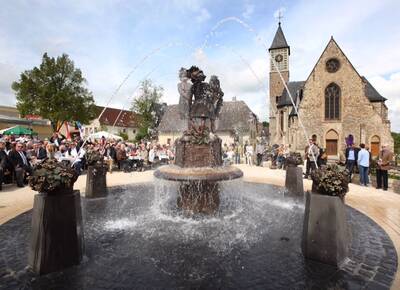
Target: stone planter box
96	181
57	240
325	231
294	181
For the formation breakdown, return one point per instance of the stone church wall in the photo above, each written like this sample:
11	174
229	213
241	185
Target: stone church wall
357	114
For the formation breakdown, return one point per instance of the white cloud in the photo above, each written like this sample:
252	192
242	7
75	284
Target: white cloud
203	15
248	11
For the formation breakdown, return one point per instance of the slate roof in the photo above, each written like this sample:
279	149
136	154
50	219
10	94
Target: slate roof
234	113
279	40
371	93
125	118
293	87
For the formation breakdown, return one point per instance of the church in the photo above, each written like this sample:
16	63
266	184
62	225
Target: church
335	103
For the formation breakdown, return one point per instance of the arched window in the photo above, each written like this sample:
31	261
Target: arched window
332	102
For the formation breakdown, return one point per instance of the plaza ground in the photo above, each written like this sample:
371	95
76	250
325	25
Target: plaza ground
382	206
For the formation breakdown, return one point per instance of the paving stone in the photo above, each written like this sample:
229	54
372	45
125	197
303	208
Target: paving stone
153	254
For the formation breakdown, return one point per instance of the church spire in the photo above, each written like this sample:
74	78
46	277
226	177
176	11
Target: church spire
279	39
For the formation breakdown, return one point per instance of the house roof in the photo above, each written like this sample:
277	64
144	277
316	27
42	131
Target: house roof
371	93
125	118
279	40
293	87
233	114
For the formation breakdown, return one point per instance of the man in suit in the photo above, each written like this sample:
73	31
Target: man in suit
5	163
385	157
351	158
39	152
21	164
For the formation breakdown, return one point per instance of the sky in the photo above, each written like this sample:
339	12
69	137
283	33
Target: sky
119	43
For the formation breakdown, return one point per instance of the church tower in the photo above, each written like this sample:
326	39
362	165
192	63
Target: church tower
279	52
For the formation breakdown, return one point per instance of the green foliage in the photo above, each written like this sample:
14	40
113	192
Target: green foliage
141	134
123	135
330	180
53	178
56	91
396	138
149	108
265	124
94	157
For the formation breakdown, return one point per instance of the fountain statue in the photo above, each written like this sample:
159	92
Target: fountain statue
198	159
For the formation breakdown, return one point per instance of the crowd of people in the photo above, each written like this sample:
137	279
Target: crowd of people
18	155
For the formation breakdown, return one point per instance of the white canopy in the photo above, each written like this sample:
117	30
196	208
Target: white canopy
106	135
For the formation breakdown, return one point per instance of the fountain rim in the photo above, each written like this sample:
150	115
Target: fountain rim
177	173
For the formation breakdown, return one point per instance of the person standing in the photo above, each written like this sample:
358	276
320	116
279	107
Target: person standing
363	165
249	154
259	152
312	153
238	152
351	158
385	157
4	162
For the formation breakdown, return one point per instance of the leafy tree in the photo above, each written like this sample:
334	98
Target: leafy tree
149	109
56	91
396	138
123	135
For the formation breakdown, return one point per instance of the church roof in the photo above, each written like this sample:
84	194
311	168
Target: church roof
371	93
279	40
293	87
233	114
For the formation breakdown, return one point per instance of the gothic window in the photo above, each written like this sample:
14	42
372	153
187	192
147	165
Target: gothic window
332	65
282	121
332	102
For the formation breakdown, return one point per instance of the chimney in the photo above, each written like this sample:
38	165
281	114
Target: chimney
234	99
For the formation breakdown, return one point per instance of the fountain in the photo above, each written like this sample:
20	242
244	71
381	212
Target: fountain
198	159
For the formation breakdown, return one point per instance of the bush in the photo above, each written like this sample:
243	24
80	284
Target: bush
330	180
53	178
294	159
94	157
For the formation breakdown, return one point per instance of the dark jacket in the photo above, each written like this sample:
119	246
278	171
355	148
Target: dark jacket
16	159
355	153
40	153
5	162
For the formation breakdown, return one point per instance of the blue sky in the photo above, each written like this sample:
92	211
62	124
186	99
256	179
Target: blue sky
154	38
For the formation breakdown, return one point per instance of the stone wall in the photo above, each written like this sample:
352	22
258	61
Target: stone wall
358	116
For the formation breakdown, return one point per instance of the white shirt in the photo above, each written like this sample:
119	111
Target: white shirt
363	158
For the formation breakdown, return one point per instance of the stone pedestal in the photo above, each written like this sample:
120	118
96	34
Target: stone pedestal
96	184
199	196
57	240
294	181
198	155
325	233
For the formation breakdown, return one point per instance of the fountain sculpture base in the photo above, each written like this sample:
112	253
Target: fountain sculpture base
199	197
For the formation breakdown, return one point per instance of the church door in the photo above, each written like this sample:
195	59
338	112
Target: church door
375	144
331	141
331	147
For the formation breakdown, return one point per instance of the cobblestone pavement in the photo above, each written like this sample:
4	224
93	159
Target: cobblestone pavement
253	243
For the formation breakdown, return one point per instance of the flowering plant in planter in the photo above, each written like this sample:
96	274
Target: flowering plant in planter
330	180
294	159
94	157
53	178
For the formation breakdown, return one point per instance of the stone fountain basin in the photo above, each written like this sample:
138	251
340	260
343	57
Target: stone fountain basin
177	173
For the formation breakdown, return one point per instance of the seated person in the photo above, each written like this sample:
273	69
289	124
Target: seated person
21	164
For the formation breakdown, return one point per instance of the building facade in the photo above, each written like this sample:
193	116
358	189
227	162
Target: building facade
236	122
335	103
114	121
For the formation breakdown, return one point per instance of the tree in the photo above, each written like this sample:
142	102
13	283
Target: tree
396	138
149	109
56	91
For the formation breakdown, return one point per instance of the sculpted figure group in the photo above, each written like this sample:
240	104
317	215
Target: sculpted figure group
199	101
